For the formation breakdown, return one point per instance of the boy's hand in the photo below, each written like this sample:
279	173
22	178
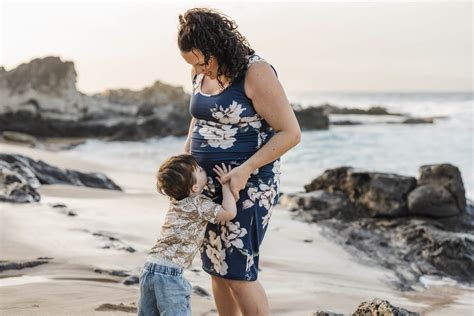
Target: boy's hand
221	172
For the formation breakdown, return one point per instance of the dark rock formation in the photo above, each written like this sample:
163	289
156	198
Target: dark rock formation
312	118
375	110
131	280
12	265
20	177
40	98
377	307
379	194
418	120
412	227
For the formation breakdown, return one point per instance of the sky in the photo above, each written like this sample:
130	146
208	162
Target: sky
352	46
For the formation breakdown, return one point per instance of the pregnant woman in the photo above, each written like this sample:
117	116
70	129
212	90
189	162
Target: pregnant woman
241	117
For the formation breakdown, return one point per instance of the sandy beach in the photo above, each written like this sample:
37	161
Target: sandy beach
301	270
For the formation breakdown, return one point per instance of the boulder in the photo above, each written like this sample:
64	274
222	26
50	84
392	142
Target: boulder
312	118
432	200
40	98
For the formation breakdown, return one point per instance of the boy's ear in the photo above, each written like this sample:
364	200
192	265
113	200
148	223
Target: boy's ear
195	188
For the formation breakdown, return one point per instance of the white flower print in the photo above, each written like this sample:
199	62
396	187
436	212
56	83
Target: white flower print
216	253
261	139
265	194
222	137
230	115
276	167
231	234
210	186
266	218
250	262
254	121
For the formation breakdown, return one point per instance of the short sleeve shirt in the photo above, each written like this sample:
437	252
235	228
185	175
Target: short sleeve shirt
182	232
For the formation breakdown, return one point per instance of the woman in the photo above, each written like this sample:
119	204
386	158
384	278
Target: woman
241	117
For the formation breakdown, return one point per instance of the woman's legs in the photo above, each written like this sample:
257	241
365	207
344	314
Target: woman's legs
250	297
225	302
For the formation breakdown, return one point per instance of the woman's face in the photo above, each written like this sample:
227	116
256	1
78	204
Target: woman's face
196	59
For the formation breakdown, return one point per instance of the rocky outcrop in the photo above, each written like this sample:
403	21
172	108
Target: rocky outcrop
375	307
20	178
375	110
311	118
40	98
412	226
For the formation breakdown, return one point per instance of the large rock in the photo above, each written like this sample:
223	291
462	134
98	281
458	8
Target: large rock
40	98
382	308
379	194
447	176
432	200
367	213
20	177
311	118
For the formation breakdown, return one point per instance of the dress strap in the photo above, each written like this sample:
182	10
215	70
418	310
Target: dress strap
252	59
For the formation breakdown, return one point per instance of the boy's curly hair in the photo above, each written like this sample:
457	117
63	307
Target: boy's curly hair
175	177
215	34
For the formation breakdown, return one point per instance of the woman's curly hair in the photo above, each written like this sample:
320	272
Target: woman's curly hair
215	34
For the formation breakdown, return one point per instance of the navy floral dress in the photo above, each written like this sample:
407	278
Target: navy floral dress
228	130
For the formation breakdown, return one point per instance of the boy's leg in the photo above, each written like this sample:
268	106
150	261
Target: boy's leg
147	301
173	295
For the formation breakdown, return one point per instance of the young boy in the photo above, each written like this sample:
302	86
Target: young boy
163	289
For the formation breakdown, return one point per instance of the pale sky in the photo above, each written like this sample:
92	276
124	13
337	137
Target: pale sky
315	46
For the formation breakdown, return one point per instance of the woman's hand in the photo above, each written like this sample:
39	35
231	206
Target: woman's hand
237	178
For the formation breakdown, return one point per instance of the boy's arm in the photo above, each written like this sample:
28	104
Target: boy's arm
228	204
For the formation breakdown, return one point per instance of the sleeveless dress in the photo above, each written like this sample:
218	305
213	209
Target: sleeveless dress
229	130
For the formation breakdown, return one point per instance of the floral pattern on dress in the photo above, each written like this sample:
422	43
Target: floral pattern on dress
229	115
218	137
216	253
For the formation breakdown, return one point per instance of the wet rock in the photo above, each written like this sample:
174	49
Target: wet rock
387	219
374	110
117	308
418	120
18	184
19	138
131	280
200	291
119	273
47	174
18	265
382	308
376	194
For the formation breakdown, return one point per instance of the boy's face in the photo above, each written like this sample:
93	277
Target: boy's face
201	179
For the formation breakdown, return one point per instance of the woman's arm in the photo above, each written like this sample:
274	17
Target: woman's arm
270	101
187	144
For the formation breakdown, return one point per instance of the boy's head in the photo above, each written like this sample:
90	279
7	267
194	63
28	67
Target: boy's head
180	176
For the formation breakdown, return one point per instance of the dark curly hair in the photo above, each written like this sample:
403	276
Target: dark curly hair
215	34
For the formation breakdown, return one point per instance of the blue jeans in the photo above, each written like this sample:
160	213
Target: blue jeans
164	291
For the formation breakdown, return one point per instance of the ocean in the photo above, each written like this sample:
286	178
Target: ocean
374	145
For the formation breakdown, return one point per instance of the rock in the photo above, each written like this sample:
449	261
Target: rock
378	194
418	120
324	313
346	122
18	184
374	110
431	200
19	138
40	98
382	308
11	265
20	178
449	177
119	273
47	174
131	280
200	291
312	118
370	214
114	308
